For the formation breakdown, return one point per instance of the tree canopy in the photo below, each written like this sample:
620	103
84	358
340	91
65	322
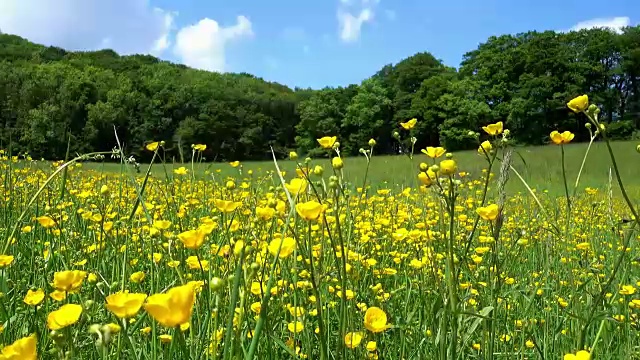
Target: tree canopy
49	97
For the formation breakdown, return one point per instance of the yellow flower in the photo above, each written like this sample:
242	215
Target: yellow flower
352	340
489	212
434	152
226	206
173	307
34	298
192	239
162	224
199	147
152	146
580	355
327	142
579	104
425	179
448	167
375	320
66	315
295	327
485	147
68	280
46	222
297	186
124	304
493	129
5	260
181	171
286	249
409	124
234	163
293	155
561	138
58	295
372	346
137	277
337	163
628	290
165	338
310	210
265	213
21	349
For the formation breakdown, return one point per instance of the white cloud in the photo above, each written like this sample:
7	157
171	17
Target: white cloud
202	45
350	22
162	43
127	26
615	23
351	25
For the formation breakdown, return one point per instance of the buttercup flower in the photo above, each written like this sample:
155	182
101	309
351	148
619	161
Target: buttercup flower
434	152
579	104
192	239
172	308
68	280
561	138
124	304
375	320
310	210
287	248
352	340
409	124
34	298
66	315
297	186
153	146
21	349
489	212
448	167
327	141
493	129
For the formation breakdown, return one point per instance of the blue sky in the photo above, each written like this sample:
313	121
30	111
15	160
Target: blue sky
306	43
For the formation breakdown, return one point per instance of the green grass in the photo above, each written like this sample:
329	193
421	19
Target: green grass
539	165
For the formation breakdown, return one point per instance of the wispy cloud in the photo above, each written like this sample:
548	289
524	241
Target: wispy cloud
614	23
351	21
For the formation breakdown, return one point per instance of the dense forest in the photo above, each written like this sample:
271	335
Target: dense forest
50	97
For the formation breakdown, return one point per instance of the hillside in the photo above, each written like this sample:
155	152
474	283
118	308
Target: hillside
49	96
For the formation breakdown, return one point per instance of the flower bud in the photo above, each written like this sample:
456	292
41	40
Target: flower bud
424	167
506	132
336	145
333	178
362	151
216	284
230	185
104	190
333	184
372	143
587	125
293	155
448	155
395	134
434	168
638	148
318	170
337	163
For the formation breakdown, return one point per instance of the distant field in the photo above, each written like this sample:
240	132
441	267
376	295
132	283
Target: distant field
539	165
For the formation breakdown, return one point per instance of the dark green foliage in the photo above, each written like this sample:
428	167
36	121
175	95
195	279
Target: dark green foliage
621	130
49	96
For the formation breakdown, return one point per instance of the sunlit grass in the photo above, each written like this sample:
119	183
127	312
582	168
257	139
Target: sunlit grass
223	261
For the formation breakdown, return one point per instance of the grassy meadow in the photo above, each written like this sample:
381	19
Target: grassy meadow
214	261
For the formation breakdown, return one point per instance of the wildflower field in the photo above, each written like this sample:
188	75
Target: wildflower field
499	254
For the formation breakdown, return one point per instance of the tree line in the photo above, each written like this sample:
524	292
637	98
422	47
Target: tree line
51	99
